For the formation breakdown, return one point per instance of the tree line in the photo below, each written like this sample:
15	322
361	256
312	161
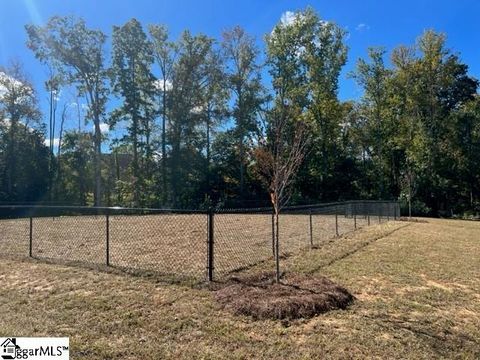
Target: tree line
190	119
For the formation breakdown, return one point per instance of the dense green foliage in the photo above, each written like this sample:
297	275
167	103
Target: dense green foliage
187	116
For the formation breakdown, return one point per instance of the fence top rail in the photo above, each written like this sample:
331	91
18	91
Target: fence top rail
49	210
374	201
101	209
269	209
304	207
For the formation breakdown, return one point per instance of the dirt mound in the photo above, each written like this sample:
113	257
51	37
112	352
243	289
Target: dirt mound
296	296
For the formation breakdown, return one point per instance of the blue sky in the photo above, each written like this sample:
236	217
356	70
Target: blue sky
369	23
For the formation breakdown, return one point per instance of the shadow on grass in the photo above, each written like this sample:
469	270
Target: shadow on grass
354	250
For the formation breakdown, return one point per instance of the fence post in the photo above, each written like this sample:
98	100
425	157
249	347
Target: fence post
336	221
388	212
380	207
31	238
368	219
107	220
210	255
311	230
273	232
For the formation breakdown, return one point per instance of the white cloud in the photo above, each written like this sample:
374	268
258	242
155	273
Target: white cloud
157	156
104	128
5	122
8	84
56	142
287	18
197	110
362	27
300	51
159	85
57	95
347	33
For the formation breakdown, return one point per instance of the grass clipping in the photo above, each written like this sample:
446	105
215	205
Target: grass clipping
296	296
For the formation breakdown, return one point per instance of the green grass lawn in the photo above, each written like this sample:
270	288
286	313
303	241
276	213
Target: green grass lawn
417	287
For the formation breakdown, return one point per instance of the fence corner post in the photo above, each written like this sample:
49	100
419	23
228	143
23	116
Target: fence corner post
31	238
107	223
210	247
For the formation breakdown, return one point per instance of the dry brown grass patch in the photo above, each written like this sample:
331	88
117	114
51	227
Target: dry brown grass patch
296	296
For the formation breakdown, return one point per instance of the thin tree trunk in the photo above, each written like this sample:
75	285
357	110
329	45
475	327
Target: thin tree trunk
208	150
148	150
409	207
59	151
98	151
79	116
135	162
277	247
10	168
471	196
98	169
51	135
135	144
241	148
164	143
117	174
242	170
174	167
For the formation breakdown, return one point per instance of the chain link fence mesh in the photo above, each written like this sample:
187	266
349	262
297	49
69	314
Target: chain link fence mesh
14	237
71	238
165	243
241	240
179	242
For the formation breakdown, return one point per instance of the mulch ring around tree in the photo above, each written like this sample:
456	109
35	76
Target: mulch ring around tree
296	296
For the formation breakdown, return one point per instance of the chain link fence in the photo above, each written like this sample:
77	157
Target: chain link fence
180	243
